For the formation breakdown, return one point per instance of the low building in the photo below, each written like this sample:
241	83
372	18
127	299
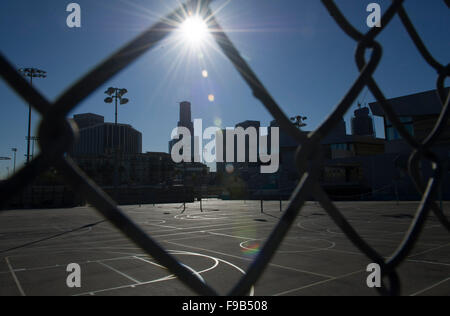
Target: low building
419	114
151	168
346	162
338	144
97	137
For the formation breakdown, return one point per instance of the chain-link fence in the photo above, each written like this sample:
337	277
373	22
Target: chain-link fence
57	136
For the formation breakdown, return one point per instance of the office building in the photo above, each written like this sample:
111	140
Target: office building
418	114
186	122
97	137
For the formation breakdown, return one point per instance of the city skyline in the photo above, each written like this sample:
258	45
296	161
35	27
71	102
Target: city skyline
304	45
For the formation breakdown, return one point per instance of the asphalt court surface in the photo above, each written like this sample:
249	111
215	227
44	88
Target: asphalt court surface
316	258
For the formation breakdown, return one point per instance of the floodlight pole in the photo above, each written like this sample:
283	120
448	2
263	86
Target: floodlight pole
117	94
116	152
31	73
14	150
29	126
298	121
115	121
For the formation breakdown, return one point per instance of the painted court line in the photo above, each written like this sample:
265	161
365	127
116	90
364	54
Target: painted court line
429	262
201	231
204	226
238	237
153	263
202	235
15	277
126	286
169	277
119	272
59	265
115	240
310	248
318	283
429	250
232	224
431	287
163	226
248	259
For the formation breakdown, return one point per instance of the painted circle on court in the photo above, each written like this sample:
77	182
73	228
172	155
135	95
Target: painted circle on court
292	246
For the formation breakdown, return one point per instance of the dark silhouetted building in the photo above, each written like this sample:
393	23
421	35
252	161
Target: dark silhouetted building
97	137
88	120
185	121
362	123
338	144
418	114
186	117
151	168
246	165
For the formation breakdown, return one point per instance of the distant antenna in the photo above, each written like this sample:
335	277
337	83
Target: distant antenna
363	100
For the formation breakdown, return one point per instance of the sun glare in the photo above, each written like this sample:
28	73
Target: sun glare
194	29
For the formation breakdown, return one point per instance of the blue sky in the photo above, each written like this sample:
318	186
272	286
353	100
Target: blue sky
294	46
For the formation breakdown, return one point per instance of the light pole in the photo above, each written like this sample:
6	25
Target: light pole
31	73
299	121
34	139
14	150
116	94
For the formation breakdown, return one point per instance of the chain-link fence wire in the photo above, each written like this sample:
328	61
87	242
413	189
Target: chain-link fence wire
57	136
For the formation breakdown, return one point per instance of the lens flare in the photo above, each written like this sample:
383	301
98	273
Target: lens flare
229	168
218	122
194	29
251	249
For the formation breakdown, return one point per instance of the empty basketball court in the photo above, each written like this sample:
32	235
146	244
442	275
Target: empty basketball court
218	244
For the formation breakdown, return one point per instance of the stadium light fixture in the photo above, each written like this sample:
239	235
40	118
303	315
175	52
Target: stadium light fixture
31	73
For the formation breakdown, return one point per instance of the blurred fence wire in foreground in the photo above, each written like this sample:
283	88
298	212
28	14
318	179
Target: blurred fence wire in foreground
57	135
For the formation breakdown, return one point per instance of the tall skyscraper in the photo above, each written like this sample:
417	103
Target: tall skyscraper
185	121
185	116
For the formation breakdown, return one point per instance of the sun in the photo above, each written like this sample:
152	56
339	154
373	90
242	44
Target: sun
194	30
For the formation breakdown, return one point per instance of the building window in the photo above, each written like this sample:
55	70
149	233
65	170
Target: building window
339	146
393	134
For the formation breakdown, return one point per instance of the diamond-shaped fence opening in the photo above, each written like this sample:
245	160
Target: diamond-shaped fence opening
56	136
